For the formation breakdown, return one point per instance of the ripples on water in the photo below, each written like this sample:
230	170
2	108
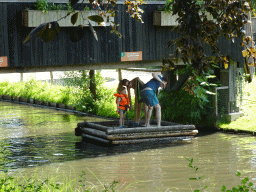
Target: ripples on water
40	137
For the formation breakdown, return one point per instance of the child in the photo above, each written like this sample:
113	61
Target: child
122	102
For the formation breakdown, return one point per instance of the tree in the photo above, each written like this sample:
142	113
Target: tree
227	18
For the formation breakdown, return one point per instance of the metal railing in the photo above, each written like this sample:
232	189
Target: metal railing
221	101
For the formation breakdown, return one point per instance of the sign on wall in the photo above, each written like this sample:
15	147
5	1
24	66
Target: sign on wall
131	56
3	61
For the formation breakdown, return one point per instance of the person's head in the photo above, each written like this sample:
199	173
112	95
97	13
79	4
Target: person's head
123	90
125	82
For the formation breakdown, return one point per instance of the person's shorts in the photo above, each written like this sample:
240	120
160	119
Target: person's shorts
121	110
149	97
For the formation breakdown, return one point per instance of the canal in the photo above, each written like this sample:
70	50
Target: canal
41	141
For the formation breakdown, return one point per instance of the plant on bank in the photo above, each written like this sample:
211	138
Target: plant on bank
245	186
181	107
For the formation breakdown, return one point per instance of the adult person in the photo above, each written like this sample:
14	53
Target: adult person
135	84
149	97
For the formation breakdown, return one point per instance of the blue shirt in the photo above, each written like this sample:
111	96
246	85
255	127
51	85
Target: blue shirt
153	84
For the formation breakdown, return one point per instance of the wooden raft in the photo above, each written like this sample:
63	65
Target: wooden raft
110	133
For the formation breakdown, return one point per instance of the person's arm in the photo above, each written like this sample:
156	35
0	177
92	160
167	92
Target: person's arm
117	104
129	96
155	76
140	82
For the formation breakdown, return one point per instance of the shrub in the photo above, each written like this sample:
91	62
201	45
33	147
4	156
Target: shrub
181	107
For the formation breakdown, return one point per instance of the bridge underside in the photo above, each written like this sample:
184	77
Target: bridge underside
90	66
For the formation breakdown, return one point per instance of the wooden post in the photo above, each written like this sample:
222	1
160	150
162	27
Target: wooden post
51	77
21	77
119	75
136	92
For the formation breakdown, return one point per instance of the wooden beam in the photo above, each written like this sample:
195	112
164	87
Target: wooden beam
86	66
66	1
142	70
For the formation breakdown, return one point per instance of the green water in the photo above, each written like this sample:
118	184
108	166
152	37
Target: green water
41	141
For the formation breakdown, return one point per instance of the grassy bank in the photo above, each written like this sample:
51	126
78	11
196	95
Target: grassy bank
81	99
248	106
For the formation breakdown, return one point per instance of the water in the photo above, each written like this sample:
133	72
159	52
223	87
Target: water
41	142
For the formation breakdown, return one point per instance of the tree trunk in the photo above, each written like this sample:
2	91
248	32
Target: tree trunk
92	84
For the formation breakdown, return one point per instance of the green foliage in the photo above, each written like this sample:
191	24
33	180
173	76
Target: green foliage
45	6
87	8
245	186
182	107
196	178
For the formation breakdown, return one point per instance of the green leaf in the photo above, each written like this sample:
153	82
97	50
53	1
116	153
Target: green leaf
192	178
96	18
40	33
48	35
74	18
238	174
223	188
205	187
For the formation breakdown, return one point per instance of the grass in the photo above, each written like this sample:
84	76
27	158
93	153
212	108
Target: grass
248	107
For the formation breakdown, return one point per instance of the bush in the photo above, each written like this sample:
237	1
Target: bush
182	107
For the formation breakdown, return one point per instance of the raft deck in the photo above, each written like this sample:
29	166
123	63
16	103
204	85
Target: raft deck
110	133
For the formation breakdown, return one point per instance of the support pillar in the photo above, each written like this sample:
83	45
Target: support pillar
51	74
21	77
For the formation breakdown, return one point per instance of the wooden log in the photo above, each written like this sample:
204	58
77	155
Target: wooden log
103	134
169	139
152	135
94	132
95	138
94	126
117	130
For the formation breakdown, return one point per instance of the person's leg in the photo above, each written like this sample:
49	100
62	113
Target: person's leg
121	118
158	115
145	110
139	113
148	117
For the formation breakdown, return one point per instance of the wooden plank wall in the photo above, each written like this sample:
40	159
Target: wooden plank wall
4	48
149	39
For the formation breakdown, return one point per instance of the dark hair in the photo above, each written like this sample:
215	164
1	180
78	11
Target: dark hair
124	81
